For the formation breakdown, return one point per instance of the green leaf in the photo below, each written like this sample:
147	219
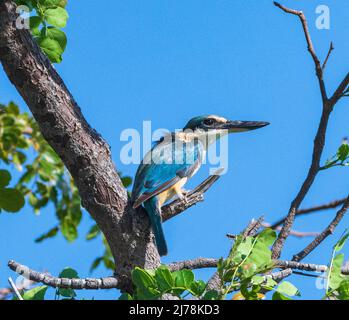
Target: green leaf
50	3
126	181
11	200
341	242
245	247
343	290
50	234
260	257
57	17
37	293
51	48
125	296
211	295
257	279
95	264
57	35
183	278
271	282
343	152
145	284
34	23
5	178
93	232
287	288
279	296
164	278
109	263
335	276
68	229
13	109
142	279
69	273
198	287
267	237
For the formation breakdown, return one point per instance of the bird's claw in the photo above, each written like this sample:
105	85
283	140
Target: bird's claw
184	196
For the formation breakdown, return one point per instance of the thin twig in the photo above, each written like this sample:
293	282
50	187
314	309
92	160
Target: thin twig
253	227
311	48
330	205
327	57
14	288
298	234
193	197
340	90
324	234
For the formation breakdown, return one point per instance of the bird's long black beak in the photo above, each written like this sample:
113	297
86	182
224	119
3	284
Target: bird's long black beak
241	126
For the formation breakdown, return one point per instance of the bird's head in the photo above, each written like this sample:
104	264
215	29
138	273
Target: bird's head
218	125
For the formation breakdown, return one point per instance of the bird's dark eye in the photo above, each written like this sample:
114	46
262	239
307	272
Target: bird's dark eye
209	122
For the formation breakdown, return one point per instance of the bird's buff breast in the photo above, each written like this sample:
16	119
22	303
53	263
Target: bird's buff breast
169	193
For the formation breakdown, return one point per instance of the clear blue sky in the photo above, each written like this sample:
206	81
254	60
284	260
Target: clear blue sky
167	61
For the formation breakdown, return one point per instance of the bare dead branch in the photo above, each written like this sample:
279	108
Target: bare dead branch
311	48
253	227
319	141
330	205
298	234
324	234
328	56
55	282
197	195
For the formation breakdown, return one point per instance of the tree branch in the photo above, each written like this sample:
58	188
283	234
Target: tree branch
298	234
200	263
327	57
83	151
311	48
87	283
339	92
330	205
178	206
324	234
319	141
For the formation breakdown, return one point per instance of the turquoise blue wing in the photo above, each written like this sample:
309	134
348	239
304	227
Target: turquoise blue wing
164	166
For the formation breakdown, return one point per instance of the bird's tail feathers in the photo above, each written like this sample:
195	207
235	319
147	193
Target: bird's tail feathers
154	213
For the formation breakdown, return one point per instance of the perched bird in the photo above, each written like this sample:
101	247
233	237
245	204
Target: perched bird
173	160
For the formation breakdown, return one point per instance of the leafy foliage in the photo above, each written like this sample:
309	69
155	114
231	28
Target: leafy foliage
340	159
337	284
45	26
37	293
153	284
11	199
43	180
242	272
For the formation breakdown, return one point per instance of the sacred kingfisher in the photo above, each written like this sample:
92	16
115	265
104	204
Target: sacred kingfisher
173	160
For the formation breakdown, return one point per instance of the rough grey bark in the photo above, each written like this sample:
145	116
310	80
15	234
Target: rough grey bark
86	155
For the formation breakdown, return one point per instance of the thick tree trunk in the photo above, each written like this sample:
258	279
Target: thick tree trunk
83	151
